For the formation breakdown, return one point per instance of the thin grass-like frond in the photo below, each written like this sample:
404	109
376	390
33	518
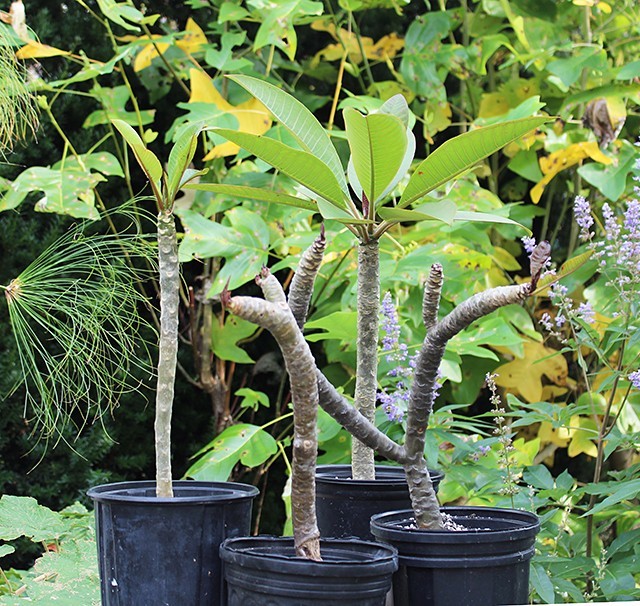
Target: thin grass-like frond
75	315
18	113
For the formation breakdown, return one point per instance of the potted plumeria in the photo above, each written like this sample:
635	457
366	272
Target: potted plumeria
158	540
382	148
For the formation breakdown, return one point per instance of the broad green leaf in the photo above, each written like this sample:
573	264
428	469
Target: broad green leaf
301	166
626	491
6	550
248	444
252	398
255	193
224	339
611	179
538	476
244	244
629	71
378	143
444	211
113	103
298	120
609	90
122	13
462	153
24	517
341	325
328	427
147	160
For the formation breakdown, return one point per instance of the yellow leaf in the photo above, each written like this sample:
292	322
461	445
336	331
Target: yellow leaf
149	53
583	433
493	104
36	50
253	117
604	7
523	376
558	161
385	48
548	434
526	451
191	42
194	38
437	117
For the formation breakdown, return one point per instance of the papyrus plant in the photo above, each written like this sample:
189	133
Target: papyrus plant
382	149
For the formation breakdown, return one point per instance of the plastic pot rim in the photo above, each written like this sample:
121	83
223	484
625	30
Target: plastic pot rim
388	525
389	474
381	554
186	492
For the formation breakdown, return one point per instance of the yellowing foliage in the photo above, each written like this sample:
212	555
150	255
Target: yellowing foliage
523	376
385	48
191	42
36	50
253	117
558	161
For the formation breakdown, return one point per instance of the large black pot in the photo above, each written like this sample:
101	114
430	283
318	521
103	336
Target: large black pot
487	564
264	571
345	506
164	551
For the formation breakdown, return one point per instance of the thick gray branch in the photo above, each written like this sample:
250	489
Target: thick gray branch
274	315
423	388
301	288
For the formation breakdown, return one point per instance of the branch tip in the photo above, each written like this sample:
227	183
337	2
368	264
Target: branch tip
225	295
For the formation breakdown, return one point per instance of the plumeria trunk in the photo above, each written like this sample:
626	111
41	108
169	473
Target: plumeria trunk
274	314
169	270
368	304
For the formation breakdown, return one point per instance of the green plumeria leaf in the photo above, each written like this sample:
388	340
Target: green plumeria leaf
180	157
444	211
473	217
147	160
255	193
378	144
301	166
462	153
298	120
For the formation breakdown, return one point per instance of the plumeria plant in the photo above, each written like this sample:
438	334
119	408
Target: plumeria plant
382	147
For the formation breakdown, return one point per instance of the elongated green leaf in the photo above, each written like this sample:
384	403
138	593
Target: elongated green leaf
254	193
472	217
301	166
296	118
147	160
378	143
626	491
462	153
444	211
180	157
568	267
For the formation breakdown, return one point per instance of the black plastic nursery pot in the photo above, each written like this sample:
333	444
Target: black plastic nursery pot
344	506
487	564
165	551
264	571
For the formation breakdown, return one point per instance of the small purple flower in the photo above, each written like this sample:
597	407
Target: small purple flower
529	243
560	320
390	324
545	320
586	312
582	212
634	377
611	225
